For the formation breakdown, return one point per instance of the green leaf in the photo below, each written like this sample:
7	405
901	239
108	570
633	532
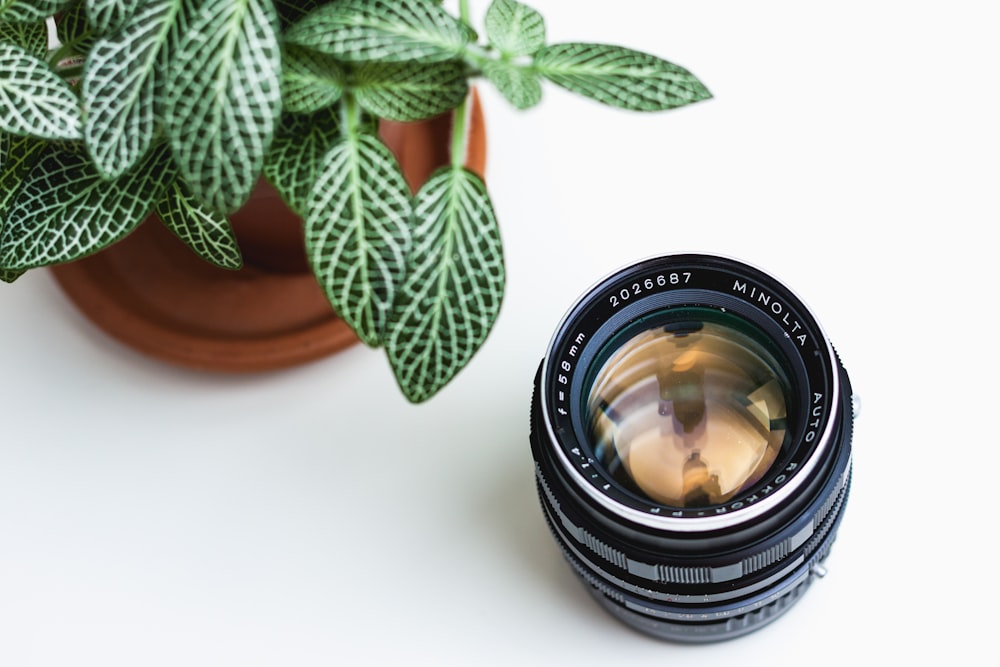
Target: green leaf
32	37
300	145
620	77
34	101
310	80
357	232
119	88
205	231
65	210
9	276
520	85
410	91
73	28
291	11
514	28
375	30
223	99
17	157
454	284
31	11
110	15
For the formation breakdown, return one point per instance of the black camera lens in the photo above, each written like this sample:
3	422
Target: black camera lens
691	429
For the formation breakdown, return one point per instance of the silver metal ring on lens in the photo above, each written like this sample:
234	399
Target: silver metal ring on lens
691	428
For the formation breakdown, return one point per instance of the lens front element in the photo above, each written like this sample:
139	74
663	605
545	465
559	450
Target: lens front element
689	413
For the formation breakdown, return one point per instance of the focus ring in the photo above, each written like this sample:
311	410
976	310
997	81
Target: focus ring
662	573
620	606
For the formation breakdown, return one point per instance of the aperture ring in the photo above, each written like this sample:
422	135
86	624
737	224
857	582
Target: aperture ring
666	620
699	632
661	573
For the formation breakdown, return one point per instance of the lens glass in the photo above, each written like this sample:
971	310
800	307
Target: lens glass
689	408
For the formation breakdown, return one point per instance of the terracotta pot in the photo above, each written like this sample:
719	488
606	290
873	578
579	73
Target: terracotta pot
154	294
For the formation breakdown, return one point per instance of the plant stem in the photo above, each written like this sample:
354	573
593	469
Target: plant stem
458	138
350	114
461	113
476	57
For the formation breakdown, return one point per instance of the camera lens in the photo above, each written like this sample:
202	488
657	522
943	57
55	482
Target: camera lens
691	430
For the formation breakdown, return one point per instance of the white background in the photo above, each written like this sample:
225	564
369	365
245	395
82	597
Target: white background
154	516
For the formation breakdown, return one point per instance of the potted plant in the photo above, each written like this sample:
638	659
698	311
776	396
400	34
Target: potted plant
181	107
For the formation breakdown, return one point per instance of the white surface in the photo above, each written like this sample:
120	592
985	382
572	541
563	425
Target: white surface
153	516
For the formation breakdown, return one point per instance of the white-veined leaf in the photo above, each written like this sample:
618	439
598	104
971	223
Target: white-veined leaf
5	142
454	284
310	80
32	37
514	28
296	156
9	276
620	77
119	88
223	98
375	30
17	156
73	29
520	85
109	15
30	11
357	232
291	11
65	210
34	101
410	91
205	231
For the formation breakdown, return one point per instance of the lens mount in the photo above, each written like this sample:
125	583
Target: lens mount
691	428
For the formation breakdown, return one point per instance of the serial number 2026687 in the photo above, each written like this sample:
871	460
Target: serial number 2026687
648	285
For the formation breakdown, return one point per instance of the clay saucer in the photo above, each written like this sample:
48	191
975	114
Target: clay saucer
152	293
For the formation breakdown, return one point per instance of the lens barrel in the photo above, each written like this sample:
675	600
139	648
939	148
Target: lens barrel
691	428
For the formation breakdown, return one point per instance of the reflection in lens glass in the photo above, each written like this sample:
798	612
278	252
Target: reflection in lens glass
689	414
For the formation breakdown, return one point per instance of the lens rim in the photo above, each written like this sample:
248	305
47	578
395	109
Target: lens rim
689	280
